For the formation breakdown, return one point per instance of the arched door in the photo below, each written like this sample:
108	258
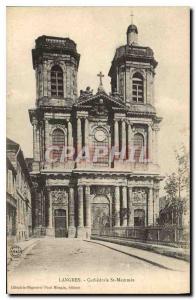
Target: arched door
100	212
60	223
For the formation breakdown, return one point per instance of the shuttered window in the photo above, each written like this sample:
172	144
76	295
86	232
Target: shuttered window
56	81
138	88
138	144
58	140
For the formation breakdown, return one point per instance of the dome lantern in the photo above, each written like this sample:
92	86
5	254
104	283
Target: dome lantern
132	34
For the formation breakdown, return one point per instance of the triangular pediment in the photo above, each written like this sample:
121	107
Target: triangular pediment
103	99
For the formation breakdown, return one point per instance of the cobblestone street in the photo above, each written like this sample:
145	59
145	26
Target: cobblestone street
58	259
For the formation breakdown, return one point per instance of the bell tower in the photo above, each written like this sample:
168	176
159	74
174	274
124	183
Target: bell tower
55	61
132	71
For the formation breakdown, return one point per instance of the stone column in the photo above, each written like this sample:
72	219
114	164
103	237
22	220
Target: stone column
70	137
88	208
156	204
145	90
86	132
50	227
80	228
45	79
130	210
124	206
123	135
150	150
116	136
47	142
86	145
156	161
50	212
88	212
129	141
128	86
35	146
117	206
124	85
72	229
117	79
35	140
38	143
79	135
150	207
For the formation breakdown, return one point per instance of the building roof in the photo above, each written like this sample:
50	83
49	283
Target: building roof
14	154
12	145
45	45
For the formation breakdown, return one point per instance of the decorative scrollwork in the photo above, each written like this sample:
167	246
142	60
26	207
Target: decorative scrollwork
59	197
139	196
101	190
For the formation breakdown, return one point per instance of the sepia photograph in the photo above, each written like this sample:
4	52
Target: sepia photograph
98	150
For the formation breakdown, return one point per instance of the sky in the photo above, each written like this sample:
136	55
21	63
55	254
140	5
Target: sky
98	31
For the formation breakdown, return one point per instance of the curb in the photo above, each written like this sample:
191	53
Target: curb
133	255
147	247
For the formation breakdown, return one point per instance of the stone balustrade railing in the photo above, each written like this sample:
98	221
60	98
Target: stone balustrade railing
167	235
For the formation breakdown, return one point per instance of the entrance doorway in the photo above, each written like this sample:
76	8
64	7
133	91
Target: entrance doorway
139	217
100	212
60	223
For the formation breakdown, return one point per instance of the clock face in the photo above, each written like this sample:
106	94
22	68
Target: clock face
100	135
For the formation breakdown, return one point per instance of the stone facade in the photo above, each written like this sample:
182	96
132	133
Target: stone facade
19	195
77	195
11	202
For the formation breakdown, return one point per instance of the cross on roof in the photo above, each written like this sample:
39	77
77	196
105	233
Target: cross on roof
100	75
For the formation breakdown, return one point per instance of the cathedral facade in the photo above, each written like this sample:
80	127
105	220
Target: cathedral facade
95	161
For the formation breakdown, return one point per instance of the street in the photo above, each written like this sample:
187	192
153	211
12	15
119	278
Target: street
58	261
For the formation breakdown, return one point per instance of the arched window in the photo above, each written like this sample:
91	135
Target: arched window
58	140
139	217
137	88
56	81
138	147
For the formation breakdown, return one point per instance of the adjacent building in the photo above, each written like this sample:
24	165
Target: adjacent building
95	158
19	195
11	202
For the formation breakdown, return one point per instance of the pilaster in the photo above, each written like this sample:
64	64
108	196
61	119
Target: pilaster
117	206
80	228
88	211
116	137
150	207
50	227
79	135
124	206
72	228
130	208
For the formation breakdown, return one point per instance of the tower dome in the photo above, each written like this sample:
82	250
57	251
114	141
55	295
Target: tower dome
132	28
132	34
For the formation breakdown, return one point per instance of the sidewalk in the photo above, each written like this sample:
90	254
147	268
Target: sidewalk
179	253
24	245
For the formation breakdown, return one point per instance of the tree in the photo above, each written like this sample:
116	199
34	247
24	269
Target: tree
183	170
183	174
176	185
171	187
